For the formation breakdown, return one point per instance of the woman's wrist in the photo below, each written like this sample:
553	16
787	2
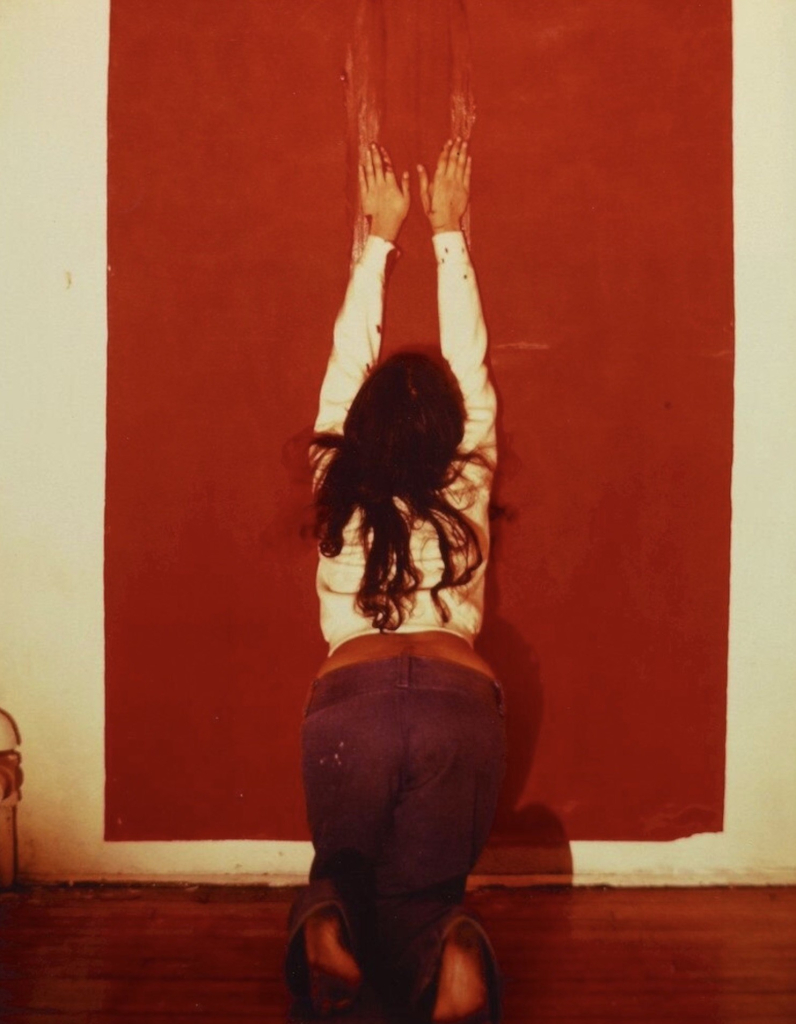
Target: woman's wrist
439	229
387	228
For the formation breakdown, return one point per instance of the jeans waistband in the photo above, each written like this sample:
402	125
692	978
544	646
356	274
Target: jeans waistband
404	672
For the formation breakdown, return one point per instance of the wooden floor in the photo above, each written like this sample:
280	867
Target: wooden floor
211	954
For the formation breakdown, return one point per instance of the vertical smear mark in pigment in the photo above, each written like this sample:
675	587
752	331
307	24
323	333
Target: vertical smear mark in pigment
462	100
420	77
364	85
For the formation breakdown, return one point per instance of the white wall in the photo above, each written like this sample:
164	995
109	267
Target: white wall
53	70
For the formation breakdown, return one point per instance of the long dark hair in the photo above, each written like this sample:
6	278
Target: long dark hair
400	441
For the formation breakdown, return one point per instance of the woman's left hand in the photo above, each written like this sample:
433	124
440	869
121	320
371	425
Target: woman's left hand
385	200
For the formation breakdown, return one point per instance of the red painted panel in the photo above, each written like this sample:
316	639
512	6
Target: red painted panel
602	235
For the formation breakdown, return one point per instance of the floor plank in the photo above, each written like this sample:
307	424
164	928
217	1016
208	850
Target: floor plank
212	955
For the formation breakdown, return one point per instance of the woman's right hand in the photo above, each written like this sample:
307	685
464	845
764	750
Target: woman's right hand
446	198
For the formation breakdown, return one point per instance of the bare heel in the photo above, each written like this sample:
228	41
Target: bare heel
335	977
462	993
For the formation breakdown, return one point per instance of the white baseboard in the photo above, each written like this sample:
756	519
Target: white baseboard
626	880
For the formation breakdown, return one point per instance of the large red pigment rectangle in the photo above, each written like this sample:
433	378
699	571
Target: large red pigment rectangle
602	236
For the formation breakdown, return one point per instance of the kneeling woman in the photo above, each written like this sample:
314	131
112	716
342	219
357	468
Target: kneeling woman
403	742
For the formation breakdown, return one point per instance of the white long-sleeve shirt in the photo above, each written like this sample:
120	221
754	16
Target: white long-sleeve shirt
463	340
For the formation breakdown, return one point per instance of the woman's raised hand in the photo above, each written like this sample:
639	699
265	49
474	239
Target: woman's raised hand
446	197
385	200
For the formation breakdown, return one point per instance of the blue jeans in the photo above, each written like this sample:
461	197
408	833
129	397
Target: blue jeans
402	763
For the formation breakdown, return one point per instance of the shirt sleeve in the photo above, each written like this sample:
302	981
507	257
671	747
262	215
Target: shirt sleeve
463	340
357	336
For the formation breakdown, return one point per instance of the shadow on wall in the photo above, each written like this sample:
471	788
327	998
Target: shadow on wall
529	839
